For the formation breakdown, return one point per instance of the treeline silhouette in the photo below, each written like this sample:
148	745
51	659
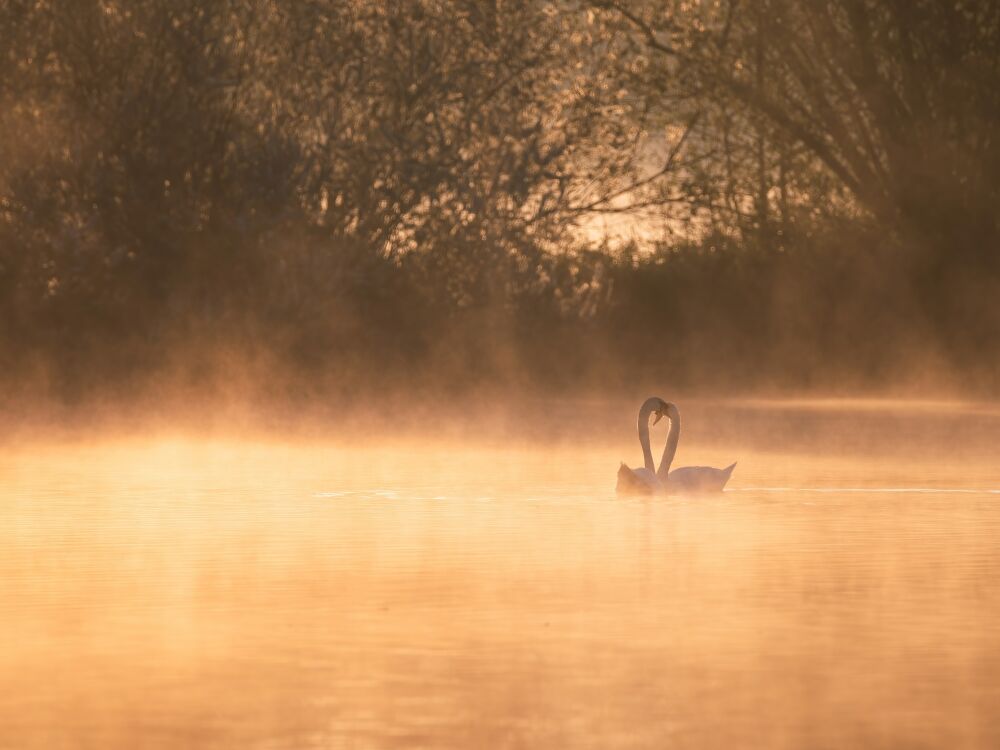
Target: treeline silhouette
336	195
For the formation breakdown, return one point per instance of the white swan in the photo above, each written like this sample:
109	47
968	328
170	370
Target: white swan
686	479
644	481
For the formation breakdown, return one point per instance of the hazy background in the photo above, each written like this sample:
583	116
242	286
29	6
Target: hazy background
334	200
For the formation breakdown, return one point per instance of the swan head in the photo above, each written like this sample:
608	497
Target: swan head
665	409
661	410
653	406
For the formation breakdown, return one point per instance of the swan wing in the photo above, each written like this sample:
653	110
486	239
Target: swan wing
636	481
699	478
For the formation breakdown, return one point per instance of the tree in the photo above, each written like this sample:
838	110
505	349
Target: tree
895	101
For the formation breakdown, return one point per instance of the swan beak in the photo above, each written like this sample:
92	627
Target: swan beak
659	416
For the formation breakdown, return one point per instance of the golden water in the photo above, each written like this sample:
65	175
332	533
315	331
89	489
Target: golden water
289	593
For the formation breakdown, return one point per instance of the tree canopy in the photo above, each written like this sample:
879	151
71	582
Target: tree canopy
425	185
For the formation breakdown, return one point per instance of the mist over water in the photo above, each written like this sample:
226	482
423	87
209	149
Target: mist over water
484	586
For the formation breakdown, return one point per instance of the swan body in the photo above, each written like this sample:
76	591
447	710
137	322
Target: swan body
694	479
637	481
650	480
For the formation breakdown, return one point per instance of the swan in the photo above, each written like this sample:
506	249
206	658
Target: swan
687	479
644	480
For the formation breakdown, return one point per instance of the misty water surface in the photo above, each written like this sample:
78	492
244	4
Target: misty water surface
438	592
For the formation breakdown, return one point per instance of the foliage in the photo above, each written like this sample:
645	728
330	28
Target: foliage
347	192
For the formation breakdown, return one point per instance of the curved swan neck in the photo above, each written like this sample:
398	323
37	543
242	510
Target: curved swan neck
671	447
645	410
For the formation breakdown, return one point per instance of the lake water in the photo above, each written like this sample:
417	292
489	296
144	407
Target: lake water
429	591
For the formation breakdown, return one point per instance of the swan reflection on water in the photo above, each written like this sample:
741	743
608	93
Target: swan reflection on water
648	479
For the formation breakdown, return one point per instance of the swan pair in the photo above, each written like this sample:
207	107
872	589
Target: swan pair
649	480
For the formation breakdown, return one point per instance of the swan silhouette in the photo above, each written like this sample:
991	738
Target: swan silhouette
651	480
